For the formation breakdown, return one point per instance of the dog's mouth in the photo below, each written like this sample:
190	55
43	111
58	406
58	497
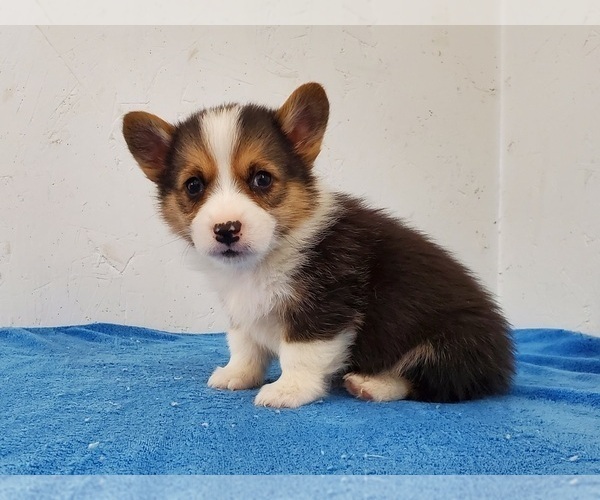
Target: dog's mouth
233	255
230	254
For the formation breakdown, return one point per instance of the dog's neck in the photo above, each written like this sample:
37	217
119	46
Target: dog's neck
254	290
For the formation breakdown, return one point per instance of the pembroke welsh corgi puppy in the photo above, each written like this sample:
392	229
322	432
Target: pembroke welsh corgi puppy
320	280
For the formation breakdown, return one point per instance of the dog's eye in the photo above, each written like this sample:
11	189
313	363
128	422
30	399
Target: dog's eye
194	186
261	180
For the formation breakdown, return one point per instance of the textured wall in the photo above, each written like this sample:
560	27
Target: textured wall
550	246
415	126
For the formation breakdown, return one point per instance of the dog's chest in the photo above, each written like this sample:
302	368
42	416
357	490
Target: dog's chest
250	297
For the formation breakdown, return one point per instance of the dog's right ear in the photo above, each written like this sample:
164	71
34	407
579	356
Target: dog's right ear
149	139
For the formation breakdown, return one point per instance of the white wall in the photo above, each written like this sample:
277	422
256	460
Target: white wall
416	126
550	246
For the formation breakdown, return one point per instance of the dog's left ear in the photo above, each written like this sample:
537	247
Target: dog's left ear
303	119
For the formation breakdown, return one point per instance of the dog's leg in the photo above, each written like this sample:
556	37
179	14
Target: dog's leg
247	364
306	369
385	386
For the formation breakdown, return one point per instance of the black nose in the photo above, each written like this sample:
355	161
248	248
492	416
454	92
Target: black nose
227	231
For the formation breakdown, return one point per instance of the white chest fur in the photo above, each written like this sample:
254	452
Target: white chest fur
250	297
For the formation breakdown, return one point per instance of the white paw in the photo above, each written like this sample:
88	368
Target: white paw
380	387
282	394
234	379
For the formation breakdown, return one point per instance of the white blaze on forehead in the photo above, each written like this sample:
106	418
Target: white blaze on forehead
220	131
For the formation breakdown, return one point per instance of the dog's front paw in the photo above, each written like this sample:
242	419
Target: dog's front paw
234	379
280	394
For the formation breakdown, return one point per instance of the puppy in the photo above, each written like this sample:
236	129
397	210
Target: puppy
318	279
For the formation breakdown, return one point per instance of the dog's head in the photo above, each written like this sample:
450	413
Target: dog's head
234	180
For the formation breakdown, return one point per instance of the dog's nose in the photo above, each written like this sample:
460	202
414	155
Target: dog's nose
226	232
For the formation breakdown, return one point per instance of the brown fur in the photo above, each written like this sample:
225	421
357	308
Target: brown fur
303	118
148	138
419	312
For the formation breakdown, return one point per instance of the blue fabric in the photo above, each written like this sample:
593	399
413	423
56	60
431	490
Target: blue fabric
410	487
108	399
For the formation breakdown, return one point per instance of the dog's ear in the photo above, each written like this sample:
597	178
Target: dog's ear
303	118
149	139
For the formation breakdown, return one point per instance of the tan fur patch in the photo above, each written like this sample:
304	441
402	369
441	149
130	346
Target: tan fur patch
175	217
423	353
303	118
249	153
178	208
197	160
148	138
288	201
297	208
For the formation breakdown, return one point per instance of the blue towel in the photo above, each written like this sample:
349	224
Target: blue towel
108	399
